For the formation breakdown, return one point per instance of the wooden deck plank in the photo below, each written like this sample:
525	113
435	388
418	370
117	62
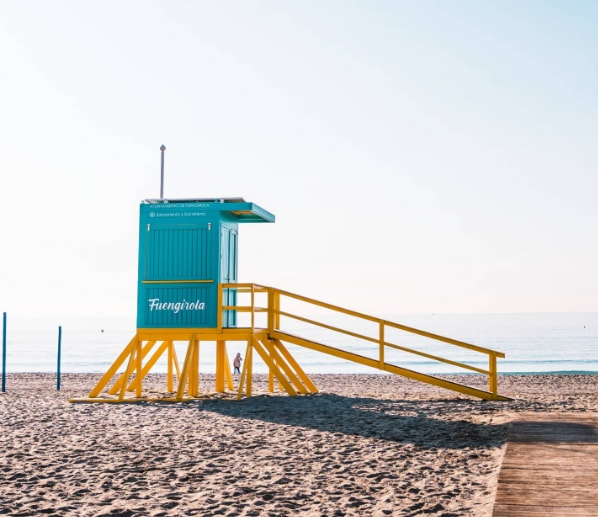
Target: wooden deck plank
541	511
558	499
550	467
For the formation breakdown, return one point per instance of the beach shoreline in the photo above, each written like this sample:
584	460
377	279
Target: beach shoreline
364	445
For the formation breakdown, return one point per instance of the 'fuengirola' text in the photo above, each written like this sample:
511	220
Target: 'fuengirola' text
155	304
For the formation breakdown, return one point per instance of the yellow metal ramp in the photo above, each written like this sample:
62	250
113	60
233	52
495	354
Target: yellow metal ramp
387	367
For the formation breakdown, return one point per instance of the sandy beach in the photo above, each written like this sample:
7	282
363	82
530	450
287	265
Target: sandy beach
365	445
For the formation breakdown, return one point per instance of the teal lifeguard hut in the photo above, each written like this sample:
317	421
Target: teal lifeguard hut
187	248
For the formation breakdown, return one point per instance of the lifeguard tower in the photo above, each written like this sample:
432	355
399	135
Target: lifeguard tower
188	292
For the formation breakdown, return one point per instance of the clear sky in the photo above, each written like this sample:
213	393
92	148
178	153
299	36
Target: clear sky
420	157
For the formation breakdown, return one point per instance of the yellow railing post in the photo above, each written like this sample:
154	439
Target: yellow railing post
277	306
252	307
270	309
493	377
381	345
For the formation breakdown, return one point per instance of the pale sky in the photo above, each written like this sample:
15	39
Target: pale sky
419	156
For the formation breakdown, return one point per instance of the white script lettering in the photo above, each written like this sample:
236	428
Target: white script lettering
155	304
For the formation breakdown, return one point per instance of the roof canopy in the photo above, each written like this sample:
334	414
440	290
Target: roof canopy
243	211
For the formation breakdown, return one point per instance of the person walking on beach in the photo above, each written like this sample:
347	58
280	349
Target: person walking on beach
237	363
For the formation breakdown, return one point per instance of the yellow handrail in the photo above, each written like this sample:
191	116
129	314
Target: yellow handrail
274	313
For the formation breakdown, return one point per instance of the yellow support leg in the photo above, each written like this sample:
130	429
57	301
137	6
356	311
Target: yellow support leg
246	373
169	374
191	377
196	366
194	379
228	374
152	361
148	366
267	358
294	365
249	382
187	365
220	366
132	385
270	380
103	382
139	369
130	368
172	361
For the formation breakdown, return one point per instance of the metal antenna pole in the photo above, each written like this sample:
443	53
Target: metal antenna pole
162	148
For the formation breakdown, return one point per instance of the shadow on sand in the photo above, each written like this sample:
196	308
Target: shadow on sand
441	423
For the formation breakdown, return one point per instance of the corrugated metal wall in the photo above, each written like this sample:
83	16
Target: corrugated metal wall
178	253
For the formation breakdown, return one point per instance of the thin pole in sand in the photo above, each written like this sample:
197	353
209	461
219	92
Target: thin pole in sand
58	362
3	352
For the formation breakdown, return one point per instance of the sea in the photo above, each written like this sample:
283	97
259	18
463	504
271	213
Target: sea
533	343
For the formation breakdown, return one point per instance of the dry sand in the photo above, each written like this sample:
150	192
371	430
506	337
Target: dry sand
365	445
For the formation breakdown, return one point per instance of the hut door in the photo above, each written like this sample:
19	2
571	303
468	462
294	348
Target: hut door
228	273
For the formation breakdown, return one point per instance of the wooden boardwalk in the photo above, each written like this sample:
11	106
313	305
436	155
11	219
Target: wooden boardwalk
550	467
